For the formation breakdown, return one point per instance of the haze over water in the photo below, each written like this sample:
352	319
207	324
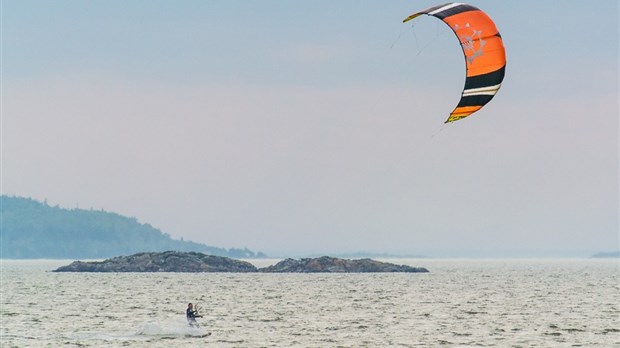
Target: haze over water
280	125
503	303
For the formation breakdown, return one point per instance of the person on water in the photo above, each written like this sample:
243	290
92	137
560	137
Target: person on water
191	315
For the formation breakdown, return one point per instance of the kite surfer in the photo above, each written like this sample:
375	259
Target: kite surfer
191	315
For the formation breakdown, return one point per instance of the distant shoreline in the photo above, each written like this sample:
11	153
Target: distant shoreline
275	259
607	255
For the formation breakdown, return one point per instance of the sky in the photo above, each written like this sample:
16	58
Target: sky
299	128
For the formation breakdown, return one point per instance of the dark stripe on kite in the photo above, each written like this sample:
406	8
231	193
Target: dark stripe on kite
475	100
435	8
486	80
455	10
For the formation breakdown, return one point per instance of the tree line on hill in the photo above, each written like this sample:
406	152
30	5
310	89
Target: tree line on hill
33	229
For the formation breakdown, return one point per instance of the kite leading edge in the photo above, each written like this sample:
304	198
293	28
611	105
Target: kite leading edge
485	58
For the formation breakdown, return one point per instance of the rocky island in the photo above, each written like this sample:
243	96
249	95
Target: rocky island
326	264
176	261
167	261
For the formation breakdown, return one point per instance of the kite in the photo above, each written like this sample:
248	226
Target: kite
485	58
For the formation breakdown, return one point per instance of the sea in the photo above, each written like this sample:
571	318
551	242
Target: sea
459	303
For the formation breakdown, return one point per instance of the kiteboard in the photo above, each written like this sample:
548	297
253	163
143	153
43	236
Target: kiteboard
202	335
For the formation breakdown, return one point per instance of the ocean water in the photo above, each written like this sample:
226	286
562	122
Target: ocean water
461	303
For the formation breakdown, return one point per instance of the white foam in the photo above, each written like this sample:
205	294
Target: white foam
171	329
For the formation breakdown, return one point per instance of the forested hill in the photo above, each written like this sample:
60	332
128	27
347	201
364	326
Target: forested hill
33	229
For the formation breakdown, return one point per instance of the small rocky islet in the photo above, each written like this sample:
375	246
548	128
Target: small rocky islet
175	261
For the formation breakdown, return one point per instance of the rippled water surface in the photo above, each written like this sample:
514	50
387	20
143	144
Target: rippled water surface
503	303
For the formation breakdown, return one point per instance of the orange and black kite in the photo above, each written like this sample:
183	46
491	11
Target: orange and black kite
485	58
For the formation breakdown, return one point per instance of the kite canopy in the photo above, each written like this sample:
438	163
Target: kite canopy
485	58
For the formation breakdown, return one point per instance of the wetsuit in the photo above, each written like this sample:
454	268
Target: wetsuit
191	317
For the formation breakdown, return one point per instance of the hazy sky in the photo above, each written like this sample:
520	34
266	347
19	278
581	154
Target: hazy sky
317	127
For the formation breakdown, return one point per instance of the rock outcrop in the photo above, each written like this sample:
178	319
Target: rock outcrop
175	261
328	264
168	261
